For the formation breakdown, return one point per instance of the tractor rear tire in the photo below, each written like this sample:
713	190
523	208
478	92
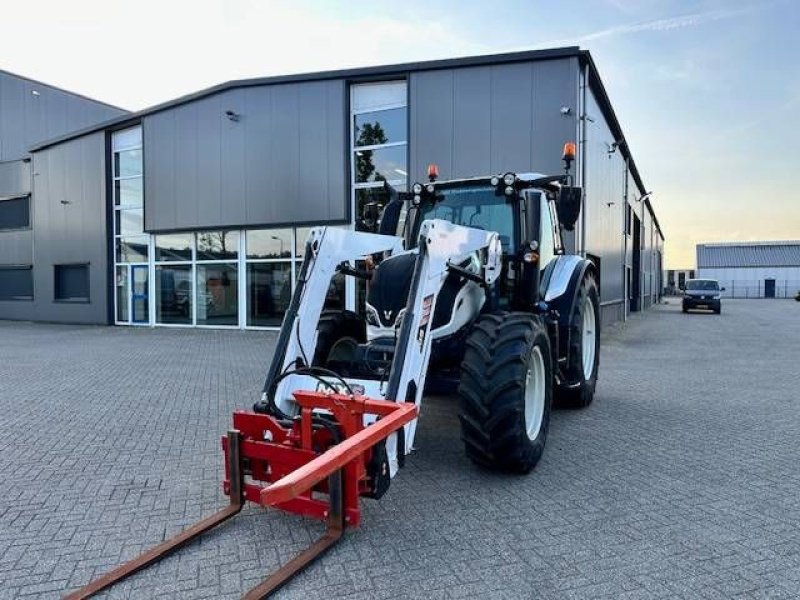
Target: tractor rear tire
338	334
577	391
506	391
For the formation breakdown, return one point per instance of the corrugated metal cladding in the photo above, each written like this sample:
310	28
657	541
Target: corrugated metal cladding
281	159
773	254
70	225
32	112
500	118
604	203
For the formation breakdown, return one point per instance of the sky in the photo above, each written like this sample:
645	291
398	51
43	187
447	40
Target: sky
707	92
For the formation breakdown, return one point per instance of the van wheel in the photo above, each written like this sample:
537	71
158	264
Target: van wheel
506	391
577	391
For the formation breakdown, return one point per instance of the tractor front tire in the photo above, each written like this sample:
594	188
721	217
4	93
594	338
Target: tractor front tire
577	391
338	334
506	391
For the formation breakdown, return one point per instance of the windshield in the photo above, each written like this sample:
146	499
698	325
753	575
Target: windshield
702	284
476	207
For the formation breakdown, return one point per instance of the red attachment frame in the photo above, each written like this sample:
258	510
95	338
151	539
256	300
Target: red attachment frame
297	461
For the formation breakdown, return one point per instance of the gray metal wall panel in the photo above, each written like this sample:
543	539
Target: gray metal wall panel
555	85
604	202
431	116
472	122
27	118
70	233
512	118
284	161
258	154
233	165
16	247
492	119
285	150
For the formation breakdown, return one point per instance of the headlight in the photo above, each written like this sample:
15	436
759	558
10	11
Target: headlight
509	178
417	188
430	188
495	180
509	190
372	316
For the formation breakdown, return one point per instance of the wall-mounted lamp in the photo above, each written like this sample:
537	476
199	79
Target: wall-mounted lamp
612	148
644	196
233	116
610	204
35	93
566	111
65	202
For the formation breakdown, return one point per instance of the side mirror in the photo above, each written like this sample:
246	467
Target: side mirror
568	206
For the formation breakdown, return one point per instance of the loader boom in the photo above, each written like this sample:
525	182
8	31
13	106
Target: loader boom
319	440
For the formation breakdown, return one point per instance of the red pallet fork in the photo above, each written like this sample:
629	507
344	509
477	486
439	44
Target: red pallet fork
326	454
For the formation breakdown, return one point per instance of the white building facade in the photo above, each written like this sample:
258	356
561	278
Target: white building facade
752	269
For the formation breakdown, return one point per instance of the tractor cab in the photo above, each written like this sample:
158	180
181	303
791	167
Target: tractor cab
528	212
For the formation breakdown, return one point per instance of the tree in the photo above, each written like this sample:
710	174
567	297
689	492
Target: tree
370	134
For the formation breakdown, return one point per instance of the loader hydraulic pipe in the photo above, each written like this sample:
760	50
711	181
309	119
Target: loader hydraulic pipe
307	476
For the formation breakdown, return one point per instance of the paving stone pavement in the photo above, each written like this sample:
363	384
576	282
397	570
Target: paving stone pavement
681	481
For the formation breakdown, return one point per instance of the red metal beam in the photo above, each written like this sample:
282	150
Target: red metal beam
339	455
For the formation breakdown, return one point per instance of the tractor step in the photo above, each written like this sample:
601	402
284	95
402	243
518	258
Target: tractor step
325	454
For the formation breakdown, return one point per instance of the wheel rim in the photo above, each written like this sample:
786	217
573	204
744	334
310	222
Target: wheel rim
534	394
589	342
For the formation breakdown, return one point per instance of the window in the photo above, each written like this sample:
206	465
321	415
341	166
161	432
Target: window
379	144
270	243
217	294
15	213
174	294
270	264
269	290
71	283
174	247
131	243
218	245
547	241
16	283
476	207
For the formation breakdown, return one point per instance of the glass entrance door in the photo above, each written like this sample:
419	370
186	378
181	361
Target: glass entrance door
139	301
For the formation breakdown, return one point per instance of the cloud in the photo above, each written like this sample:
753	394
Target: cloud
657	25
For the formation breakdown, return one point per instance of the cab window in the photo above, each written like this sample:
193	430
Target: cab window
549	238
480	208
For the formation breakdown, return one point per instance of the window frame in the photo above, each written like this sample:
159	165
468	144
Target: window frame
87	299
26	197
19	268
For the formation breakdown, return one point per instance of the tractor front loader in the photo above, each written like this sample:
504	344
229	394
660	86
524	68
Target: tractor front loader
468	280
317	441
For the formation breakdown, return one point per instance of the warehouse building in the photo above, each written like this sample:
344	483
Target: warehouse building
752	269
194	212
676	279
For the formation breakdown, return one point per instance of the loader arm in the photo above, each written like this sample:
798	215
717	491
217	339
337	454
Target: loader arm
320	440
440	242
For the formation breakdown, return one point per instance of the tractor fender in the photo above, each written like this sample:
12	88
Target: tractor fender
563	284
